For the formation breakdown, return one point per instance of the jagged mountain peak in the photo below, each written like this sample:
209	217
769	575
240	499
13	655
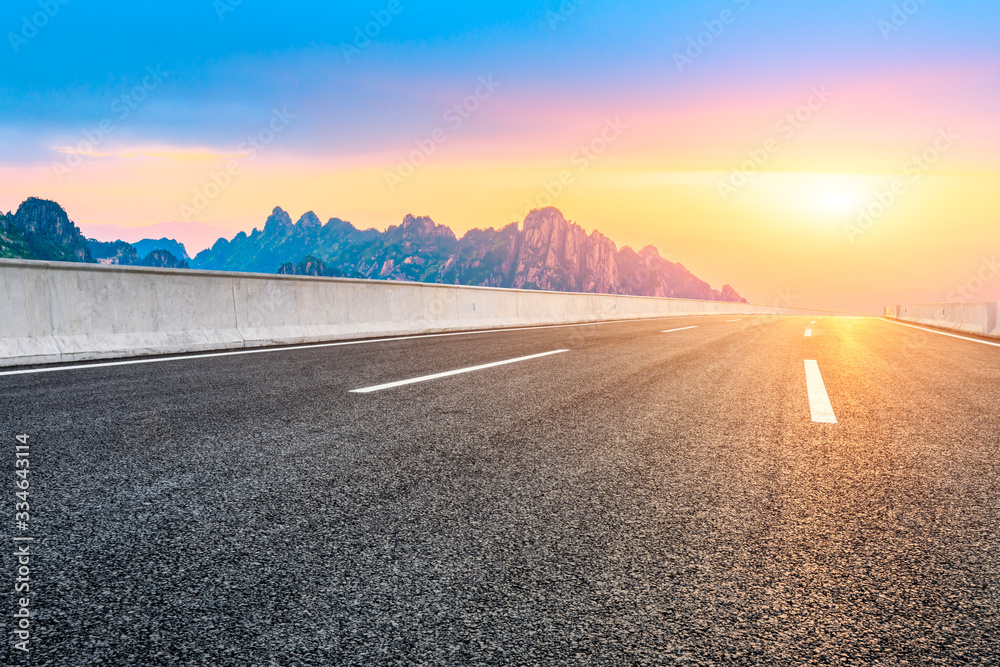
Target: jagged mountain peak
548	218
410	220
309	220
537	215
279	222
730	294
650	251
47	232
421	227
420	223
545	251
35	206
337	223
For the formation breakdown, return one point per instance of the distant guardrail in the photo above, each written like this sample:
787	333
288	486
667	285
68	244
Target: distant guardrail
979	318
62	311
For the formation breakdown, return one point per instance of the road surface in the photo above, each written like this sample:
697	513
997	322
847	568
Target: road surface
684	491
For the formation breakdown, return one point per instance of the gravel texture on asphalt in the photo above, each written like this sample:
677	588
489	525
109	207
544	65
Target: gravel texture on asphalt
645	498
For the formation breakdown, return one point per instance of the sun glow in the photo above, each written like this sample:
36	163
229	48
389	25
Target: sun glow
837	202
833	197
814	197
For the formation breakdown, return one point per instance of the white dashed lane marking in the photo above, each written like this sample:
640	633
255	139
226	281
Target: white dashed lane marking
819	401
437	376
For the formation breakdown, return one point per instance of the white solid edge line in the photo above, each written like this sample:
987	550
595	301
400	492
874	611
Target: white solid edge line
941	333
809	332
728	321
819	400
312	346
436	376
681	329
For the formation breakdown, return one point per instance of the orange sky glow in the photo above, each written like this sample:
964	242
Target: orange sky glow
845	188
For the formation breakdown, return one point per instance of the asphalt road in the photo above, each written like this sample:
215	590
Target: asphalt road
641	498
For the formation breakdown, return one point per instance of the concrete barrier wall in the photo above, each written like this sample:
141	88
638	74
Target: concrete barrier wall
982	318
58	311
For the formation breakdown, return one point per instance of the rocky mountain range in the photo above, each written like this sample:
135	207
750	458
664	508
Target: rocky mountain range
40	229
310	266
127	254
546	252
146	246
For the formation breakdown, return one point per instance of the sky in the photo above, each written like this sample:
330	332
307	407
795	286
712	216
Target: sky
831	154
